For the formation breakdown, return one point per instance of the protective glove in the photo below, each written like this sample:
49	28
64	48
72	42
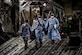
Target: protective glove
55	26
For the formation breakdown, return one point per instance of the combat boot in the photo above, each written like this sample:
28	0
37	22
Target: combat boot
52	42
41	44
36	45
26	45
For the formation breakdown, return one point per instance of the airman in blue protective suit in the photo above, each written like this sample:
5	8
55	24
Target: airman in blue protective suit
39	33
52	26
25	32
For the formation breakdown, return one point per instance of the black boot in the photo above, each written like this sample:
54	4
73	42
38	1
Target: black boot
40	40
52	42
41	44
36	45
26	44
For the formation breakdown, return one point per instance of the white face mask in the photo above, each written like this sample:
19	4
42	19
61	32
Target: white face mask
25	24
39	18
52	16
34	20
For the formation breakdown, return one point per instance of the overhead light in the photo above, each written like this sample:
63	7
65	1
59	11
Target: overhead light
70	18
44	4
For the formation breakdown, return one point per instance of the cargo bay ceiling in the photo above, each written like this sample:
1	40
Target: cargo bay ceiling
76	4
